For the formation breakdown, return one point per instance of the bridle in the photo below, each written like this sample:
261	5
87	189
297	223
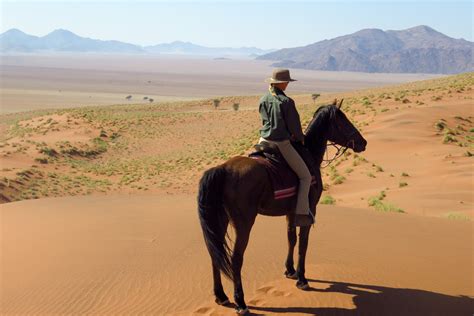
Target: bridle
340	151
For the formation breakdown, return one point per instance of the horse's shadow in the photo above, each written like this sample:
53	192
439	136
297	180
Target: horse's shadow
380	300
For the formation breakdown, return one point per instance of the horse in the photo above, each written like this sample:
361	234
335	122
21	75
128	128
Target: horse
238	190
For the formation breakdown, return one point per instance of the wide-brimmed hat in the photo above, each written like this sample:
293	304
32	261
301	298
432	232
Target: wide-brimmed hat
280	76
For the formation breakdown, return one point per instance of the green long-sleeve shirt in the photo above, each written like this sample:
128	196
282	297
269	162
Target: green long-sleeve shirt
280	119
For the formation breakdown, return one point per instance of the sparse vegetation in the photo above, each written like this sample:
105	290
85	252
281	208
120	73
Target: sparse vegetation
339	180
458	216
378	203
216	103
119	142
378	168
449	138
440	125
327	199
51	152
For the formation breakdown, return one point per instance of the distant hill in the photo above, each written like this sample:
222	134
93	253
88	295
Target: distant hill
188	48
16	41
420	49
60	40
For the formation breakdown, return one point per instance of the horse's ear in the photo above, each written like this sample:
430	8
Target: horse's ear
334	102
340	104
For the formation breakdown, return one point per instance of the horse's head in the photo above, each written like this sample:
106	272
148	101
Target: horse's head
342	132
338	129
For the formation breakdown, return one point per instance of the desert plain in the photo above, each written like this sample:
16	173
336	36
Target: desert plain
98	212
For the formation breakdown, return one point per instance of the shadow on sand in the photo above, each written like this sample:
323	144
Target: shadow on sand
379	300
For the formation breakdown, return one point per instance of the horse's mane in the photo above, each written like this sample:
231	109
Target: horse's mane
320	118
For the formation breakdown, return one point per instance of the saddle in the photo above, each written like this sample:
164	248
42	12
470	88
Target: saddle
284	179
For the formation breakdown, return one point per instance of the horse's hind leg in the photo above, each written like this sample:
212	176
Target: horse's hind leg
289	264
221	297
302	283
241	241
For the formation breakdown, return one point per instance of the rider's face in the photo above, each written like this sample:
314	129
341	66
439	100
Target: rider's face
283	85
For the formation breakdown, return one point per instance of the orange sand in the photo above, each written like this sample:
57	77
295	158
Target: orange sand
145	255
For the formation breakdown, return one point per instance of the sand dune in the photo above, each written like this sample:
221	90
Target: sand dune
129	242
145	255
406	142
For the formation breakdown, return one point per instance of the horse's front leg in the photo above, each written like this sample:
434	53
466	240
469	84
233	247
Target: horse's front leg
302	283
289	264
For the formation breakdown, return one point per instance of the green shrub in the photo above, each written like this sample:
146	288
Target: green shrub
327	199
440	125
383	207
402	184
42	160
448	138
49	151
339	180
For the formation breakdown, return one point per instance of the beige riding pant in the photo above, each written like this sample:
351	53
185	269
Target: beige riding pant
298	165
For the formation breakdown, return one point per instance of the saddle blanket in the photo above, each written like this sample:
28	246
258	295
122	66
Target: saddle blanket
284	180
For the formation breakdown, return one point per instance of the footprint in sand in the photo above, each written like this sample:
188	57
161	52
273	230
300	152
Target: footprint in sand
273	291
255	301
204	310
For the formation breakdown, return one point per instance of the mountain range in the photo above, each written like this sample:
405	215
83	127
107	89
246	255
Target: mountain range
420	49
16	41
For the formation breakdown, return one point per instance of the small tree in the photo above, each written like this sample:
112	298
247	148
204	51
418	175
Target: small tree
216	103
314	96
128	97
151	100
145	98
236	106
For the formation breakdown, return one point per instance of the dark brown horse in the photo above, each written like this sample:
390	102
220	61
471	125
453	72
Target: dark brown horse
239	189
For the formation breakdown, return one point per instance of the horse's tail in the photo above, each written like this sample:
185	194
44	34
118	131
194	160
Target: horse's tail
213	218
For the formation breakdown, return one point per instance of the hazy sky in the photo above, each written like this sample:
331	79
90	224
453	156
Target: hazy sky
265	24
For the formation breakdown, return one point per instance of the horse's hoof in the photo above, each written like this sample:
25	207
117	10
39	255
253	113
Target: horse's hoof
292	276
302	286
223	303
242	311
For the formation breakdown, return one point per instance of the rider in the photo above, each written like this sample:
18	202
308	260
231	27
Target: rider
281	123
